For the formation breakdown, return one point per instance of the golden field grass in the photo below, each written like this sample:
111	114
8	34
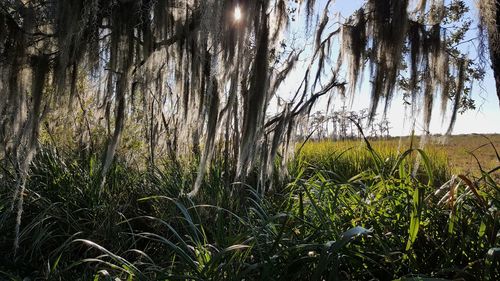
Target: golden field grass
464	153
457	154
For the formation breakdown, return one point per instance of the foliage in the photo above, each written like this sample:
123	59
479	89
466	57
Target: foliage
135	145
360	218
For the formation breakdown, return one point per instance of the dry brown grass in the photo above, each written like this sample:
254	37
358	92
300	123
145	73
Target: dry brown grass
462	151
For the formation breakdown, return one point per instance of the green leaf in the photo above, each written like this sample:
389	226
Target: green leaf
482	229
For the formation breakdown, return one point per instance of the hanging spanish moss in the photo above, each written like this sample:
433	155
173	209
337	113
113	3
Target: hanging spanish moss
489	12
461	67
387	33
188	77
354	45
387	28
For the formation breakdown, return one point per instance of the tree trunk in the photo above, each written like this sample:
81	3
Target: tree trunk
495	49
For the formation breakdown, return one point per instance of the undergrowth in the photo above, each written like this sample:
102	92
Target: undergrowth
340	215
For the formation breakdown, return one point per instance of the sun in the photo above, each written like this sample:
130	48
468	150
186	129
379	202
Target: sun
237	13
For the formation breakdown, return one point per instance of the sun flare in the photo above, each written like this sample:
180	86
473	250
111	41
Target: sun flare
237	13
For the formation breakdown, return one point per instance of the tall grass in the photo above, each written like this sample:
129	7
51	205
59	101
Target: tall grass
356	214
345	159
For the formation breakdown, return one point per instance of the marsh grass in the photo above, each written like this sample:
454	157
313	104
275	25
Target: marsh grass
342	214
346	159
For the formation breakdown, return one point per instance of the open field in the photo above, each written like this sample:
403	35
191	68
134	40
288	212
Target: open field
459	154
462	151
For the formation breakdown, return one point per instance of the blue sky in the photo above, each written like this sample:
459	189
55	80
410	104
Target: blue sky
486	119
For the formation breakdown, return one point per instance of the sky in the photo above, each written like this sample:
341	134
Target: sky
484	120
